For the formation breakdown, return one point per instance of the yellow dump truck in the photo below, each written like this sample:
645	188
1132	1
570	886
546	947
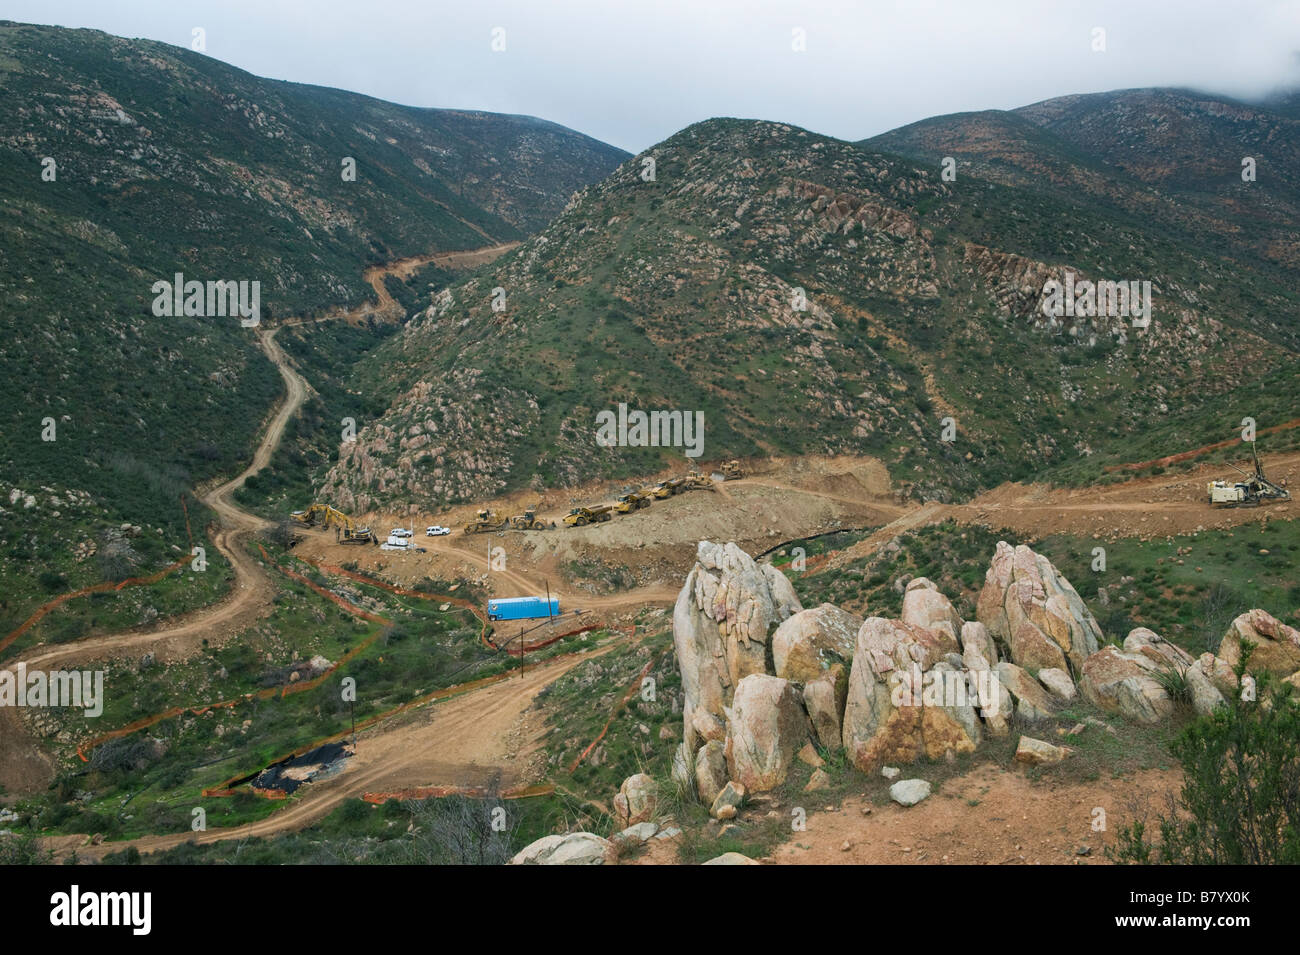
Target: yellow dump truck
588	515
668	488
632	502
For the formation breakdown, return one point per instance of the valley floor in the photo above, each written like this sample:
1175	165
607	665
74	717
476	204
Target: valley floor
613	572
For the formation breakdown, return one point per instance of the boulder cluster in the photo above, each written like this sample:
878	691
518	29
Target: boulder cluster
763	676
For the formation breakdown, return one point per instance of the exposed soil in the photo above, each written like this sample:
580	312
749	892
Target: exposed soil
1015	821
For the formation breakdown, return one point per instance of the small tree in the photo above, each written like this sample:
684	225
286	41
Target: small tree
1240	802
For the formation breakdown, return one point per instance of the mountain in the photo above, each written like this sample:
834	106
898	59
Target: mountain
1171	158
130	161
922	305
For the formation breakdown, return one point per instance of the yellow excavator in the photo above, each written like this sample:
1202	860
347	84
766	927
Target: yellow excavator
346	530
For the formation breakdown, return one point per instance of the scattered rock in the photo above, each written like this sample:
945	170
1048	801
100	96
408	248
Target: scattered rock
641	832
730	858
819	780
809	756
909	792
1035	752
727	801
574	848
636	799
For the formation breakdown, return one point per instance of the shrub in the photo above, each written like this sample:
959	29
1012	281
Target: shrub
1240	802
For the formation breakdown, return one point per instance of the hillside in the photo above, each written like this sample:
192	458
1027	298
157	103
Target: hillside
923	304
1171	158
167	161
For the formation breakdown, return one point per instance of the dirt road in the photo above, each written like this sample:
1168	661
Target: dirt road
24	767
461	741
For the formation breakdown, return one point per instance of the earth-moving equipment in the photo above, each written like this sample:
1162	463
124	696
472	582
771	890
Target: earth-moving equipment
730	470
588	515
346	530
485	522
668	488
695	481
632	501
1255	490
527	521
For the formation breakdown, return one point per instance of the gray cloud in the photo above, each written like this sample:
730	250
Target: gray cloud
632	73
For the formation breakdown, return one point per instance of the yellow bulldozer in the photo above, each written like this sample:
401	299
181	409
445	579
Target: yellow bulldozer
527	521
632	501
346	530
730	470
485	522
588	515
695	481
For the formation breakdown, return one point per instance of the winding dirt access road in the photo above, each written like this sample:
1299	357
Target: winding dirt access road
24	767
465	740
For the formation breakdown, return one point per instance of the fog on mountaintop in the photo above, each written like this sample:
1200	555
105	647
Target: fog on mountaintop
631	75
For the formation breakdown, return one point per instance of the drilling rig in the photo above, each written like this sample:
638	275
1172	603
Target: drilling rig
1256	489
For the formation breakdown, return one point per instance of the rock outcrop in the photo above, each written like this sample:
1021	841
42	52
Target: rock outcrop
721	624
811	641
766	726
1034	612
898	685
924	606
636	800
710	770
1205	696
1277	646
1124	683
928	684
1032	701
824	699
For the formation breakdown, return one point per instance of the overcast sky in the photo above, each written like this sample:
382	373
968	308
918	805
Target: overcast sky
633	73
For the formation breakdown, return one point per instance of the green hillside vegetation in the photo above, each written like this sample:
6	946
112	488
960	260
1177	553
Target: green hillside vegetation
169	161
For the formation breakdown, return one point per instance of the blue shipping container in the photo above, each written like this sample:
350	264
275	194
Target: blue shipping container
522	608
